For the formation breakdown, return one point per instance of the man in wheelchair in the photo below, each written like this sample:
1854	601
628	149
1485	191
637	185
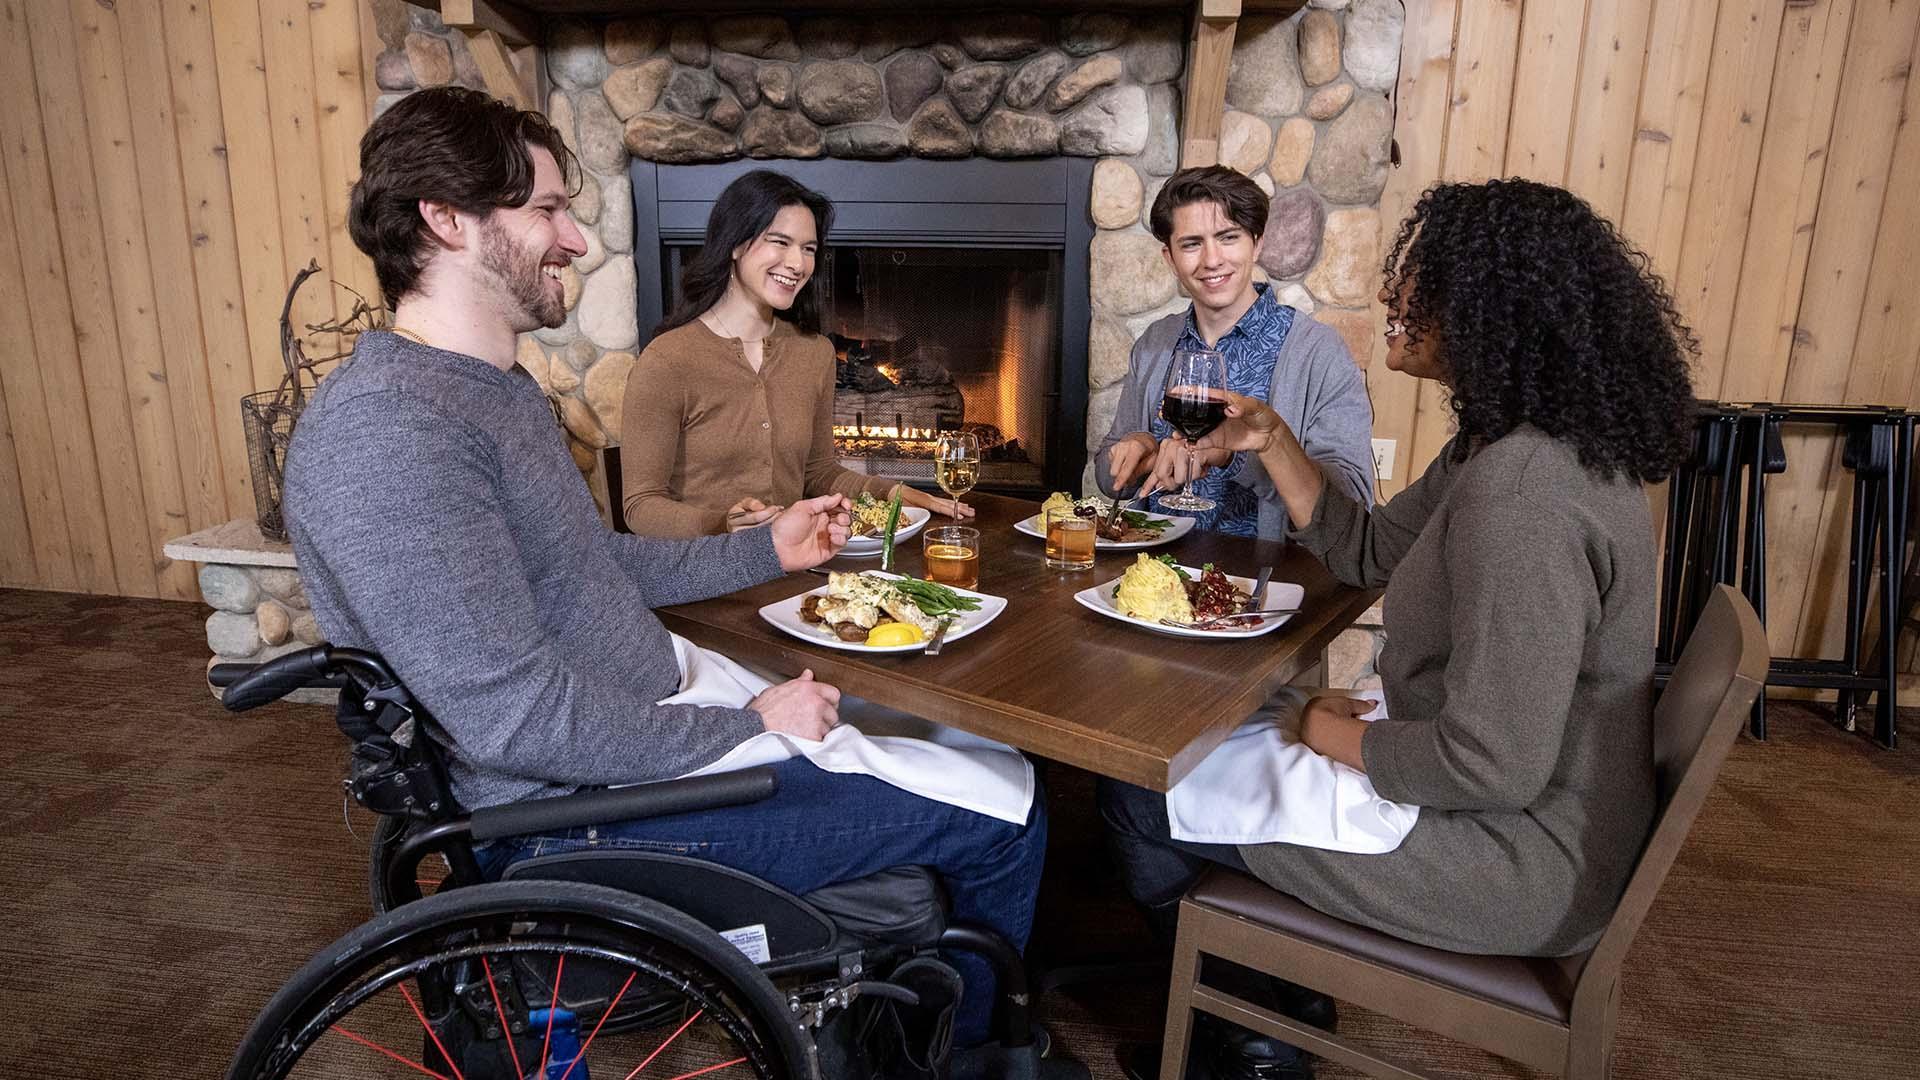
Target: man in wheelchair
440	523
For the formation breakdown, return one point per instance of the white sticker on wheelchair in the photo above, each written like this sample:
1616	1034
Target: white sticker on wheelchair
751	941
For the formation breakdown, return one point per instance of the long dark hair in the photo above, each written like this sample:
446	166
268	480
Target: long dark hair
448	144
1543	314
741	213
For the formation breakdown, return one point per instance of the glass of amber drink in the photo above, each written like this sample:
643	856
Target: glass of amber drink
952	553
1070	540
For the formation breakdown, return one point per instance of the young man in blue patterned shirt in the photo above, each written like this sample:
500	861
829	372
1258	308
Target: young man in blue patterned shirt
1210	221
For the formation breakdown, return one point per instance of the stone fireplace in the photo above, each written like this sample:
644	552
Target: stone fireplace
1307	115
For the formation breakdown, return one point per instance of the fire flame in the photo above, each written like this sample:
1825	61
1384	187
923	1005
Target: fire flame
892	372
849	431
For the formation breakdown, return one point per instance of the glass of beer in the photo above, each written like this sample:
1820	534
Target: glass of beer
1070	540
952	553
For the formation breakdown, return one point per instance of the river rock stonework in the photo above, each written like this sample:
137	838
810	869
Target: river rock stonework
1309	119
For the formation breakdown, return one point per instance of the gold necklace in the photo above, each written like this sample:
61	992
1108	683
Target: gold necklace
728	330
409	335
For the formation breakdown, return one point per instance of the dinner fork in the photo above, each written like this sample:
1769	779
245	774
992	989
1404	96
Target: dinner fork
1222	620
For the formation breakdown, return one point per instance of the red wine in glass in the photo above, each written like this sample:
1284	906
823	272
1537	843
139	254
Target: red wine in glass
1193	412
1195	403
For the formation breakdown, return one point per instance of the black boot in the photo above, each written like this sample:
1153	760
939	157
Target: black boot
1224	1051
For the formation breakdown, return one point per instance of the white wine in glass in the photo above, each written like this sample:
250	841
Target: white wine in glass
956	462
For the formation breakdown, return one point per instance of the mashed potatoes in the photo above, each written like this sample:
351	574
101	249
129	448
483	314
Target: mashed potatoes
1152	590
1059	499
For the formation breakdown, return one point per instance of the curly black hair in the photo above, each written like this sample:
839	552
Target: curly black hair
1543	314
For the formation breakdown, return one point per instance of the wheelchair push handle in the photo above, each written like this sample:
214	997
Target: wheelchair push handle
248	686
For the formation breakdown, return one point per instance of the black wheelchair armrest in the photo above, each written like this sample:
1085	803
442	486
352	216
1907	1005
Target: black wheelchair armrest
603	805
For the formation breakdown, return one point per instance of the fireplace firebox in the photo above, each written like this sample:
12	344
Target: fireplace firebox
955	293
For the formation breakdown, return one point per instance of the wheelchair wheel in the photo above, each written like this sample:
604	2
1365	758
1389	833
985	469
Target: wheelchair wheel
496	981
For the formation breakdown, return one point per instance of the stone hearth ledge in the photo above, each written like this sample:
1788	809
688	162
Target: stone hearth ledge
253	585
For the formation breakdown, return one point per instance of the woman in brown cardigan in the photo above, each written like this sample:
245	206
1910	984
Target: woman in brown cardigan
729	411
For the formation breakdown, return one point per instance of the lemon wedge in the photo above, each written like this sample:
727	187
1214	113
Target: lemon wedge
897	633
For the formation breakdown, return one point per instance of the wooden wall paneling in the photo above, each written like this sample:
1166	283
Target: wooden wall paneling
1786	193
1890	321
1872	90
1613	61
33	526
200	133
342	109
1727	159
1479	108
116	170
55	352
286	37
370	49
90	297
1546	75
16	536
1420	132
189	339
265	268
1672	94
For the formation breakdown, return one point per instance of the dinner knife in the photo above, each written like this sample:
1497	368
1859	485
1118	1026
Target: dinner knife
1259	596
939	635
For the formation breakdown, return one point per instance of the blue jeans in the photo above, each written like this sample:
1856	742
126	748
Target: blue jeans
1157	868
821	828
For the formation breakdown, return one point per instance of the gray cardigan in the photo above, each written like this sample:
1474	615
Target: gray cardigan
1316	389
1519	672
439	520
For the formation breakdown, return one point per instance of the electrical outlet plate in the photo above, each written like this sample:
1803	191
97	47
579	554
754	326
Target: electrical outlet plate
1383	459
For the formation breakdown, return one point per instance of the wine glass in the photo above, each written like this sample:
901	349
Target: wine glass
1195	403
956	462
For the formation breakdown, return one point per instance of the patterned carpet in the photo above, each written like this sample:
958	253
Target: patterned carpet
165	865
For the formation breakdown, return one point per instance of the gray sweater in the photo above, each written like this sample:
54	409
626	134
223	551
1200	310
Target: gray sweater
439	521
1519	669
1316	389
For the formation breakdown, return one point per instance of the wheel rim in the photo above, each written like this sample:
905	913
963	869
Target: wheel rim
428	1005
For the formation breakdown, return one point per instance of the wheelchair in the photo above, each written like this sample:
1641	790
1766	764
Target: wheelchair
651	962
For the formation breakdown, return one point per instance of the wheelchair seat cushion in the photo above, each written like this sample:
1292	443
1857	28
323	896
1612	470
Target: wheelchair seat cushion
903	905
900	906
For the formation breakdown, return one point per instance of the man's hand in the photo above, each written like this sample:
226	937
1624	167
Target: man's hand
750	513
1250	424
1332	726
1129	458
1170	465
811	531
799	707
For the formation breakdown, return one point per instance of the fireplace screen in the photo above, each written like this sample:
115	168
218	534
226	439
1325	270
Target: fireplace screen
931	339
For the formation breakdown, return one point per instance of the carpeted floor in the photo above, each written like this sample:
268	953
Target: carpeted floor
164	865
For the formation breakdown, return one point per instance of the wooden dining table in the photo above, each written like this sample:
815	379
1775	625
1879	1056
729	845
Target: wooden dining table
1049	676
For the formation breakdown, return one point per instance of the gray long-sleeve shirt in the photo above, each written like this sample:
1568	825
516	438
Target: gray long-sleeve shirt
1316	389
1519	671
439	521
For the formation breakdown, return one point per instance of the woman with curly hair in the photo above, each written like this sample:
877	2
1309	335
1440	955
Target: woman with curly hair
1520	583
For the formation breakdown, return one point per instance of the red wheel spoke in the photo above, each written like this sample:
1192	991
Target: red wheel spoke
558	971
500	1011
371	1045
582	1056
658	1049
431	1034
708	1069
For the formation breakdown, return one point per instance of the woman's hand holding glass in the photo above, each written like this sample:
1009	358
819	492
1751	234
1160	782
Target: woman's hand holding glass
1249	426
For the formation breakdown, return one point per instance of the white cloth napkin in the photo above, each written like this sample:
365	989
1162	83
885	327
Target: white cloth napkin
1262	786
912	754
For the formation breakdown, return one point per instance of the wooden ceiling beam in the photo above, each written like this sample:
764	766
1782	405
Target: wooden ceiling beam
1209	57
514	26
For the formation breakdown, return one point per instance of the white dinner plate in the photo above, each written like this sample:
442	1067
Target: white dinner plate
912	520
1280	594
785	615
1181	526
